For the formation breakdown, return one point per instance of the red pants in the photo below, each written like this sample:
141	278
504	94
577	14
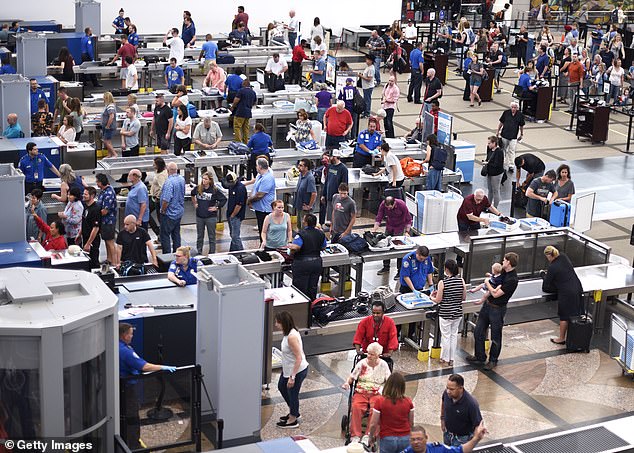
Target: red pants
361	403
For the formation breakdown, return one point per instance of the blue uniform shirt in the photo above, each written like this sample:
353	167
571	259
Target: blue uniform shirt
415	58
174	76
173	192
525	82
188	33
133	38
211	49
7	69
130	364
182	274
542	62
259	143
264	183
371	141
88	46
233	82
33	168
417	271
138	194
119	22
437	448
36	96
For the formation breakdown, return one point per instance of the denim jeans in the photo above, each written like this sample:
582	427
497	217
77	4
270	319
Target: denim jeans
367	97
291	396
453	440
434	179
493	317
170	231
234	231
393	444
210	224
615	91
377	70
321	111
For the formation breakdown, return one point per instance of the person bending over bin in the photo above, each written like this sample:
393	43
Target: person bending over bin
417	271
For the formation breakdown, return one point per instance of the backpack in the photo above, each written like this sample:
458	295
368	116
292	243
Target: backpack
614	16
129	268
471	37
373	239
238	148
505	60
358	104
325	308
225	59
411	168
191	111
354	243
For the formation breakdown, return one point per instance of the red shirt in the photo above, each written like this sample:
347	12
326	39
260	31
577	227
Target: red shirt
241	17
394	417
126	50
469	206
367	331
337	123
299	54
50	243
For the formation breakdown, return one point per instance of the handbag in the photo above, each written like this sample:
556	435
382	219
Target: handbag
484	171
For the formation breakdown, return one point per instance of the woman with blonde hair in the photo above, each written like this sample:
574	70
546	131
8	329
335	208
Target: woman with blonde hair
561	279
208	200
108	123
392	416
182	270
69	179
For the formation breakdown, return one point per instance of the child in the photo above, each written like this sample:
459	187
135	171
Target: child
624	98
495	278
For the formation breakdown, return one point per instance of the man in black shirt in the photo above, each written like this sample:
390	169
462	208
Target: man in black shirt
162	123
433	89
90	224
306	248
510	130
459	413
133	243
495	60
520	45
492	314
532	165
236	207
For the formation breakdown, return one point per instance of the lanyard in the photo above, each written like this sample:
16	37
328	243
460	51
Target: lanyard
377	330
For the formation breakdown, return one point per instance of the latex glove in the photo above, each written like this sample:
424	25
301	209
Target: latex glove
431	288
171	369
417	293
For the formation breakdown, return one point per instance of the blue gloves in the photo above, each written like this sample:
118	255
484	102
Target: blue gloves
171	369
416	293
431	288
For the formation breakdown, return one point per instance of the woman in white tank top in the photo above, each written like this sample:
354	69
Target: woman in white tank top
294	368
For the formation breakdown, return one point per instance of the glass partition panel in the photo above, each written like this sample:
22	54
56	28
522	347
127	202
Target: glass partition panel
557	241
84	394
483	254
575	249
524	246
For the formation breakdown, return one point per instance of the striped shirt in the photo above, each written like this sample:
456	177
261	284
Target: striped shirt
451	304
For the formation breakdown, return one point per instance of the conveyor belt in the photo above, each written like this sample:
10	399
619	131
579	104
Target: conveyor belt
593	440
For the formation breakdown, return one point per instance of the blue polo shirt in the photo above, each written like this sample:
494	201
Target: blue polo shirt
33	168
174	76
14	131
182	274
525	82
437	448
88	46
248	98
259	143
237	196
415	58
173	192
7	69
211	50
133	38
233	82
130	364
36	96
264	183
320	65
542	62
371	141
137	195
417	271
119	22
188	33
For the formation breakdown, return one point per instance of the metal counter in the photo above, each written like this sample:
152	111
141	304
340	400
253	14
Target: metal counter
122	165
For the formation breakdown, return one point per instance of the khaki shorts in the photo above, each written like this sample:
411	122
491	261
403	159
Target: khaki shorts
123	73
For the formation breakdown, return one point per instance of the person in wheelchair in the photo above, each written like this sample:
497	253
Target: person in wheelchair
376	328
370	375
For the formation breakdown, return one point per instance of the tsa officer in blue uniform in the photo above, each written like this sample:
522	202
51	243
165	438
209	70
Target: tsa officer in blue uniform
368	143
418	442
88	54
32	166
130	364
416	271
119	22
183	269
36	94
306	247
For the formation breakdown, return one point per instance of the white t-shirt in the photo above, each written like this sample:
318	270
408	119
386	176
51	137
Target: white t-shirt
392	160
615	76
410	32
368	72
183	123
177	49
130	83
288	357
67	134
276	68
293	25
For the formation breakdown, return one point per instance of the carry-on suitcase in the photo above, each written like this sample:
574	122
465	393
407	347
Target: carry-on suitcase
396	192
579	333
559	214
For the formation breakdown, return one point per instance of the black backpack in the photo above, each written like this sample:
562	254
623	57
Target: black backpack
614	16
128	268
358	104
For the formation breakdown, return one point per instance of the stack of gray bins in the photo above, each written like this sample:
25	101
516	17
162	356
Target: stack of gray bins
12	204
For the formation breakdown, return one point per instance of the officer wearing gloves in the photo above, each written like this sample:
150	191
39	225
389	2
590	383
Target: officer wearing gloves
306	248
130	364
416	271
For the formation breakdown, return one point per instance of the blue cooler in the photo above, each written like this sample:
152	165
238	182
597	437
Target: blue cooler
560	214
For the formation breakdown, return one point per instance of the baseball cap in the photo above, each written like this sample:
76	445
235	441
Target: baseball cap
231	177
349	79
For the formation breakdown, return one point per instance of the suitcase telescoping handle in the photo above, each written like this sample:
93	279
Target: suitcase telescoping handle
454	189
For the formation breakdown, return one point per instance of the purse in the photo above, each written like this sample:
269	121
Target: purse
484	171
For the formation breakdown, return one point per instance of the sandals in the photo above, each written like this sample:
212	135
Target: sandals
554	340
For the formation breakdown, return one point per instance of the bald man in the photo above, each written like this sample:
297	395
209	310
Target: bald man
133	243
13	129
138	200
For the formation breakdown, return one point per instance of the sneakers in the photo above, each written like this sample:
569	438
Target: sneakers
355	439
287	425
474	360
287	416
365	440
397	276
490	366
383	270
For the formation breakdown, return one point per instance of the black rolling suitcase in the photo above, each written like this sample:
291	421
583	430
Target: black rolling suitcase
579	334
396	192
